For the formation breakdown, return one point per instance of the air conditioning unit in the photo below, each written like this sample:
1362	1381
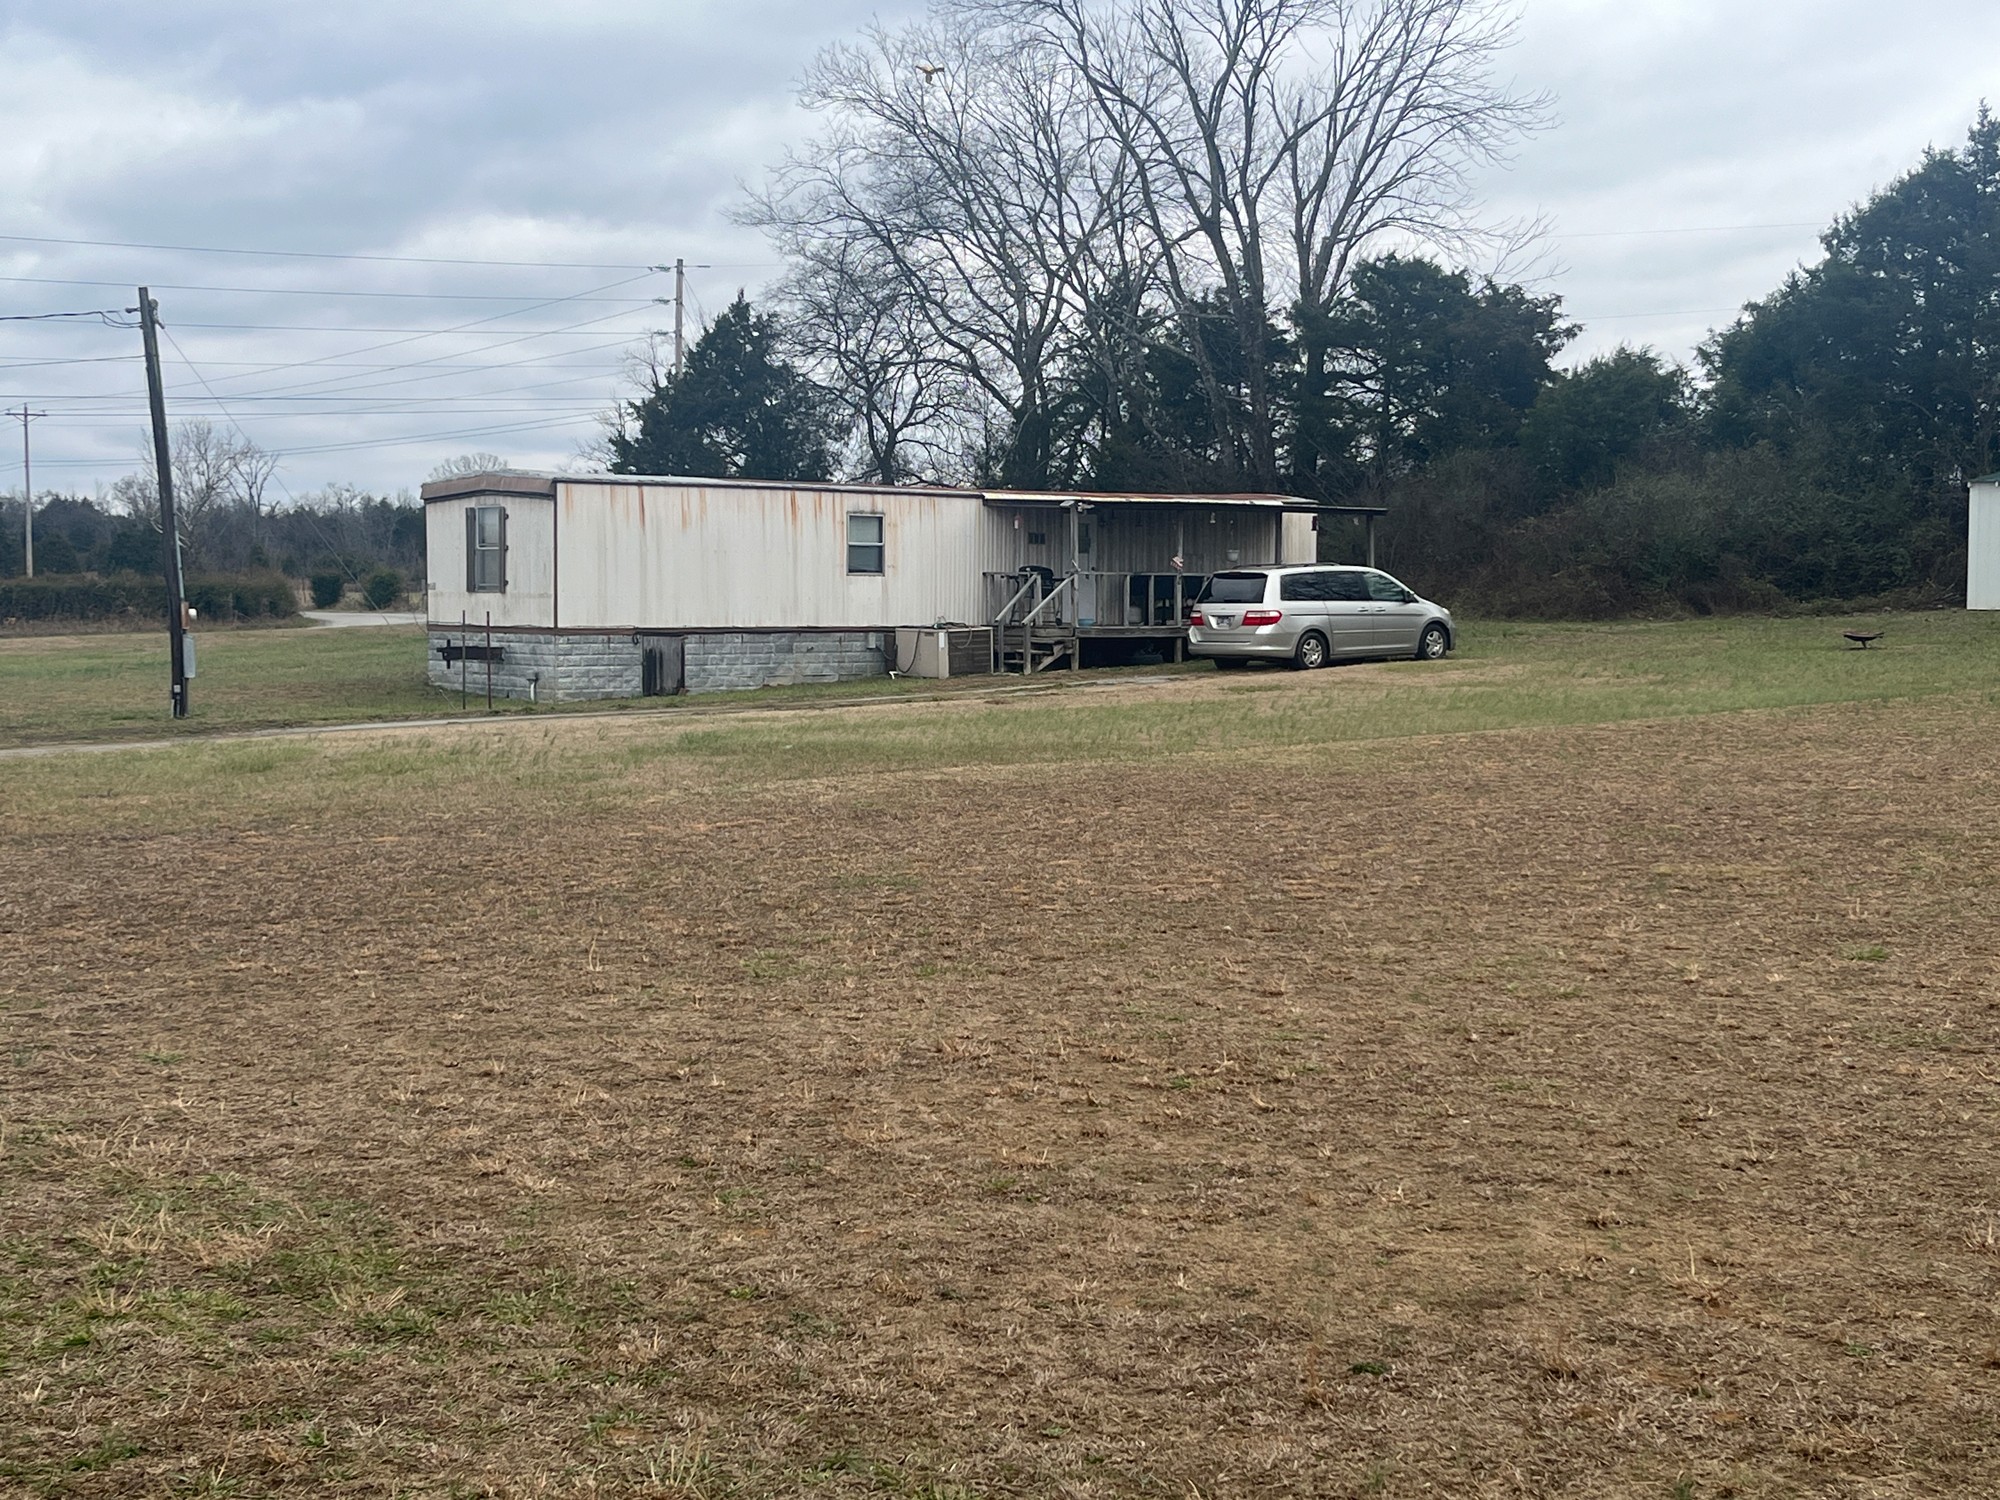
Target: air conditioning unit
944	650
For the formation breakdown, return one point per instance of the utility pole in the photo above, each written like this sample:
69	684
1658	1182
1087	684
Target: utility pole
27	486
680	306
170	537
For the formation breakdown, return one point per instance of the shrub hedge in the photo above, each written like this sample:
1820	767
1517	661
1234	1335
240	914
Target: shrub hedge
382	588
223	597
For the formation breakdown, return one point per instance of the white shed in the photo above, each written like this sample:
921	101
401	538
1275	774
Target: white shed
1982	550
615	585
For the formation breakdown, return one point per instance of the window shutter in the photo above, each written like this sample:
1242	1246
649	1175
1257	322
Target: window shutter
471	548
503	552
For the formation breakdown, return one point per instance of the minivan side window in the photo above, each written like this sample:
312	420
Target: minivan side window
1348	587
1386	590
1305	587
1234	588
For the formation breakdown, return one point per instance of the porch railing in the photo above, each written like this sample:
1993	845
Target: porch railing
1092	599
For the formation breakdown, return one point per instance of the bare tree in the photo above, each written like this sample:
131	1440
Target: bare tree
1042	179
214	474
646	367
853	325
1272	142
968	169
255	469
468	463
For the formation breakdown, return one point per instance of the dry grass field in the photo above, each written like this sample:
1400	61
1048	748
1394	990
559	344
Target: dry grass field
554	1108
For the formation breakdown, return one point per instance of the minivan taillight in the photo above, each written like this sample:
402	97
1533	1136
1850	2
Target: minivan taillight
1262	616
1197	618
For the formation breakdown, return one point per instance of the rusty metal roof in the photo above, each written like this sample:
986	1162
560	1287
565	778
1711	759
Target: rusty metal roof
536	482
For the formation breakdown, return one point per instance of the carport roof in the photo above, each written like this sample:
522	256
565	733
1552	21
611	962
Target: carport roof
1116	497
540	482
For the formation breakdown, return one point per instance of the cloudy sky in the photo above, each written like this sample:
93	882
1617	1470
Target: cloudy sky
381	235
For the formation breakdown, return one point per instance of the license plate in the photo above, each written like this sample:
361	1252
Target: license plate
1225	621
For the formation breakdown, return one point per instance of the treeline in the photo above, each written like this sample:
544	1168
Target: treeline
1136	246
227	529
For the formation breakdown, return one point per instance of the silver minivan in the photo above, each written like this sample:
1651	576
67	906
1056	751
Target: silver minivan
1309	616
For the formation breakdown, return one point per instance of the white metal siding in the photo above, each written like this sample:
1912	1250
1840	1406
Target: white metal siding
727	557
1301	540
528	599
1982	552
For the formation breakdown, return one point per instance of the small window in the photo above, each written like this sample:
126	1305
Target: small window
486	549
865	550
1385	590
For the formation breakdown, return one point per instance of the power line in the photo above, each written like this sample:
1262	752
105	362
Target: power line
1683	312
265	364
400	260
575	328
104	315
481	322
107	421
413	260
407	441
433	437
1607	234
294	291
40	364
363	328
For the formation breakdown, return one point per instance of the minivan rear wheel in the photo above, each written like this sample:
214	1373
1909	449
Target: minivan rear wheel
1311	651
1433	643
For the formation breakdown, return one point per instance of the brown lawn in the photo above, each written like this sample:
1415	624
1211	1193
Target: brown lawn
1579	1112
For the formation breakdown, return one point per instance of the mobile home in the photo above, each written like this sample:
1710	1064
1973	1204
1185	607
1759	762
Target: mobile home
614	586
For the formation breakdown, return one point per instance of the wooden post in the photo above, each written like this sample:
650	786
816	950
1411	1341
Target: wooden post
170	537
680	300
27	488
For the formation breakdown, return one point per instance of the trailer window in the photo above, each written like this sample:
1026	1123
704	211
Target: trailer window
486	549
865	550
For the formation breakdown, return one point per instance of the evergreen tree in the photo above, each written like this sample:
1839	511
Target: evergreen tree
1892	342
738	411
1588	421
1418	362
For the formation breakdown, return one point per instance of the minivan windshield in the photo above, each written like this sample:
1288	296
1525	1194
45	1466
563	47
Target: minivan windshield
1234	588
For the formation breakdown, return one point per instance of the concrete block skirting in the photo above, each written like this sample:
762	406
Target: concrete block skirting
569	668
768	658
